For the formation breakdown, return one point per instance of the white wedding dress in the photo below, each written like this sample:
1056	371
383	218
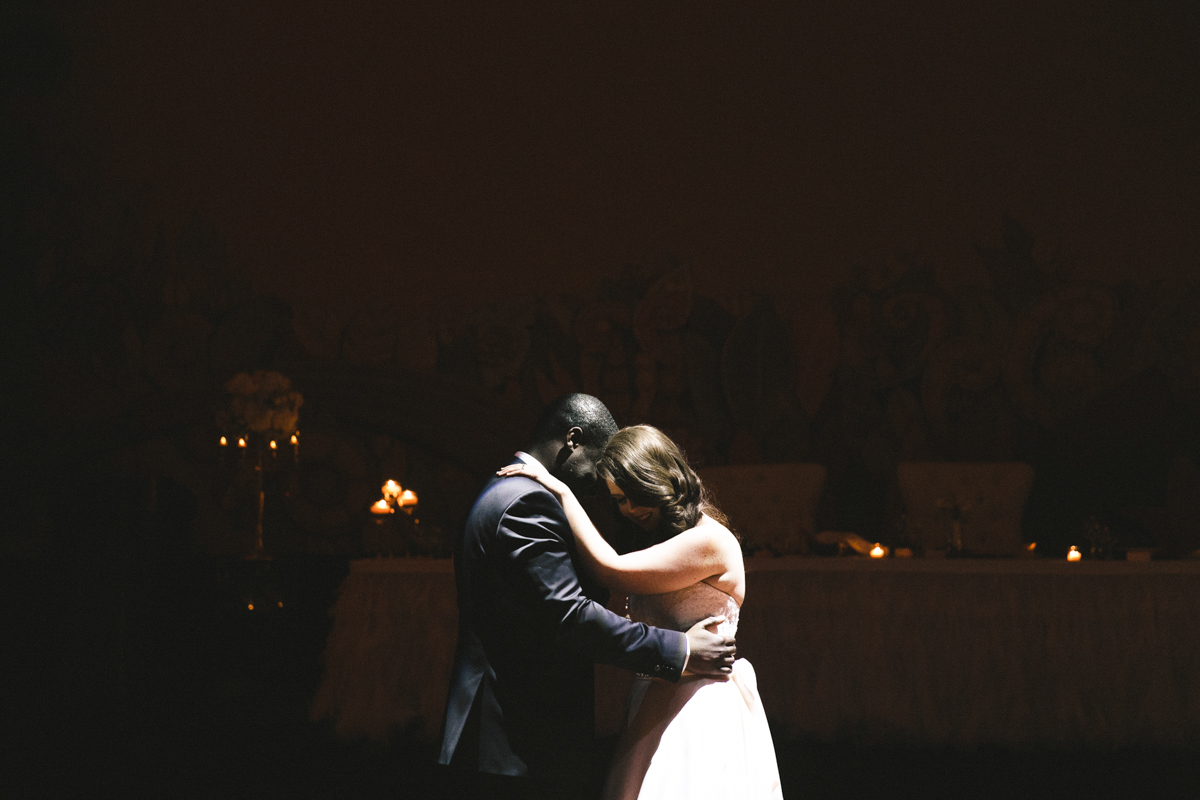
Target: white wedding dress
700	737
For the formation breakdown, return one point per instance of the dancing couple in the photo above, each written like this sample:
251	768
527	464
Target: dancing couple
531	569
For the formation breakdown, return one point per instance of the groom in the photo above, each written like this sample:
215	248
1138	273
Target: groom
519	718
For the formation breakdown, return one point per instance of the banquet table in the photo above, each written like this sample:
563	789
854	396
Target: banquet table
948	652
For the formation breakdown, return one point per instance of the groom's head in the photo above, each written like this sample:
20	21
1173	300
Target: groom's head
569	437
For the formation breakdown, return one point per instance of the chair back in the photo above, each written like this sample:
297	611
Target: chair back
771	506
988	500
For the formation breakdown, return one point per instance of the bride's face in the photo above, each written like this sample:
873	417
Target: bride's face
644	517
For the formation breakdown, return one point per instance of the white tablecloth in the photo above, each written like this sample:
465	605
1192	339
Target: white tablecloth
959	652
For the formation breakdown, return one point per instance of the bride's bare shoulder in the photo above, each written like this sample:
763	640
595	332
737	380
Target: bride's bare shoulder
717	530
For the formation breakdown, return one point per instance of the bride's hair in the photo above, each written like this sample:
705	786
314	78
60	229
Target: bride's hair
653	472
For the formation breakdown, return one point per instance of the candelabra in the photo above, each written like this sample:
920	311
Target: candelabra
258	420
256	454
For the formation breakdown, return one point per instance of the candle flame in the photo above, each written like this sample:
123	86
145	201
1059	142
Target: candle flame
273	445
250	606
224	441
241	442
877	551
408	498
1073	554
381	507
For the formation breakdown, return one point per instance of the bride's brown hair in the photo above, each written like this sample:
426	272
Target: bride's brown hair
653	472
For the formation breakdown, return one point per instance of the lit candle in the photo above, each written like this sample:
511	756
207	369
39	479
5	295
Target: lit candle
1073	554
242	443
273	445
224	441
295	438
381	507
408	498
391	490
878	552
250	606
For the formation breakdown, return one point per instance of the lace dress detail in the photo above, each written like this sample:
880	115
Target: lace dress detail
700	737
680	610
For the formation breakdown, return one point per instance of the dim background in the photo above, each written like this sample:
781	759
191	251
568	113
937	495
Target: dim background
434	217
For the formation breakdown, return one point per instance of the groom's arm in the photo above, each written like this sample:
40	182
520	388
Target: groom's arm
530	540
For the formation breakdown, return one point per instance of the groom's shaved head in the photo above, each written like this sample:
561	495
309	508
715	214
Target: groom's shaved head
575	411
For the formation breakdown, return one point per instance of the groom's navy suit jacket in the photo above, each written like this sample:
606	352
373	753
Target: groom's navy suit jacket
522	693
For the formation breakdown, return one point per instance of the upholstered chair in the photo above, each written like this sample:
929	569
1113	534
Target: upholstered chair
771	506
978	504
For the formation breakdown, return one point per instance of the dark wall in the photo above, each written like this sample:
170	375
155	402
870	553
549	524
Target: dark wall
847	232
453	201
384	151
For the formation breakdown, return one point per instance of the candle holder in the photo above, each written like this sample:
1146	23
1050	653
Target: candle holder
1101	542
258	420
396	527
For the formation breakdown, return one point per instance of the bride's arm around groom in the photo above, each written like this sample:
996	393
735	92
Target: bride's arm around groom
521	695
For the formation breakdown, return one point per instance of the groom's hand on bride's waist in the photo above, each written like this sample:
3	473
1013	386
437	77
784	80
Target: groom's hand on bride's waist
710	654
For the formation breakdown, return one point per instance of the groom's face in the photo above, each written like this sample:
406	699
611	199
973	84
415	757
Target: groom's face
578	469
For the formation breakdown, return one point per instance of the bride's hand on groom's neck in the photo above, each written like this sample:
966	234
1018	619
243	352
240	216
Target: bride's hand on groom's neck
538	472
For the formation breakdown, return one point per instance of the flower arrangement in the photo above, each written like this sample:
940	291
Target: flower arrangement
260	402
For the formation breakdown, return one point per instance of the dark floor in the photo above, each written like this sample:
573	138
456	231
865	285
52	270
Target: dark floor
245	762
169	687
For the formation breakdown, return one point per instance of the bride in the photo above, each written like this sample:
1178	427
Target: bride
700	737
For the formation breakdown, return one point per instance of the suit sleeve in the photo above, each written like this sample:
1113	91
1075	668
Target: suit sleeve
530	540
